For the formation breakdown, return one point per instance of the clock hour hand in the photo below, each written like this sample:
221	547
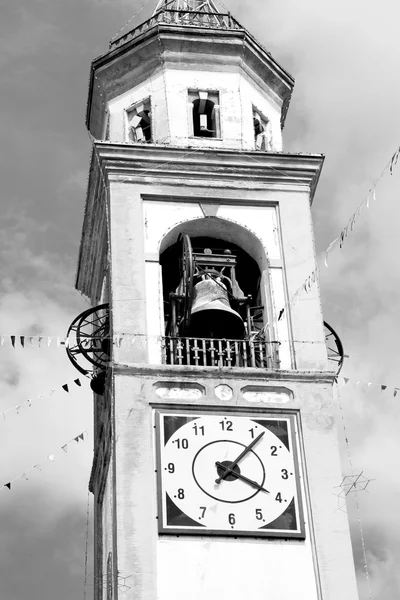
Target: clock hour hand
242	477
229	470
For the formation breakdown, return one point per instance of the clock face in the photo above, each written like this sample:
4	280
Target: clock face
228	474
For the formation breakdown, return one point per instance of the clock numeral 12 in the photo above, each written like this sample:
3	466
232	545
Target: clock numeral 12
226	425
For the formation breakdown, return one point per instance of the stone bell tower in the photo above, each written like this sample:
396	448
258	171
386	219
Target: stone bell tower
215	450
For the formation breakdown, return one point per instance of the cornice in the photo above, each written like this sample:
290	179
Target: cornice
188	373
147	164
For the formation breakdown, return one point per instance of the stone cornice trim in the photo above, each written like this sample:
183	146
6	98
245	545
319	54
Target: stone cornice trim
188	373
134	163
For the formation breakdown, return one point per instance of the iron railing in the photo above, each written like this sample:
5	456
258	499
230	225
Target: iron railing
207	352
192	18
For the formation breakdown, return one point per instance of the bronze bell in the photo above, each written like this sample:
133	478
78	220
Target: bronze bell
211	314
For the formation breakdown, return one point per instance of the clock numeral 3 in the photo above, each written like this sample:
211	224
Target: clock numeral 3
285	474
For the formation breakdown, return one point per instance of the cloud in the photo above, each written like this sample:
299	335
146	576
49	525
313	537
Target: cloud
57	570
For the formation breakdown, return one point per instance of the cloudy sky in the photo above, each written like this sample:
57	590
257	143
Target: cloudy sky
345	56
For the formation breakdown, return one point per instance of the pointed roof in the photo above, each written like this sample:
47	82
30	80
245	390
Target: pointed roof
205	6
192	13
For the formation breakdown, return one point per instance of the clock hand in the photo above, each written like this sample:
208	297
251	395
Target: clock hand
229	470
243	478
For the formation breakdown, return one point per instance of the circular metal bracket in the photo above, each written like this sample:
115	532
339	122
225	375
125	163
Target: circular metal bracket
334	348
90	348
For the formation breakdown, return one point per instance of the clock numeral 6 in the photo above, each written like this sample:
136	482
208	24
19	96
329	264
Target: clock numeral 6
259	515
231	519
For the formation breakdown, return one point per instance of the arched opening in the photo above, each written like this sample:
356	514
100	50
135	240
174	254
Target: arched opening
216	296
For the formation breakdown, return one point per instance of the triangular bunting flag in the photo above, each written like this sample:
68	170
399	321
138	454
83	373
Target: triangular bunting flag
48	342
66	342
22	340
81	436
32	340
65	447
18	408
40	339
345	380
23	476
29	401
8	485
396	390
1	341
65	387
52	391
78	382
383	387
76	439
12	340
51	457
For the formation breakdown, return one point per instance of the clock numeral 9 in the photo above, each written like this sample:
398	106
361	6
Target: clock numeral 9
171	468
231	519
226	425
183	443
259	515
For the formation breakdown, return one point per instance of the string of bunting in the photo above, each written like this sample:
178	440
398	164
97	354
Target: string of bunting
339	240
28	403
130	339
367	385
51	457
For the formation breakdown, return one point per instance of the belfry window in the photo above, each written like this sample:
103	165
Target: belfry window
262	131
204	107
213	308
139	123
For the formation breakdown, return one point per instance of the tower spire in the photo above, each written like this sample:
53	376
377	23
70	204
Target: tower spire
206	6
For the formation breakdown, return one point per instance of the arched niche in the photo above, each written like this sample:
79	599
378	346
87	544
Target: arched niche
220	235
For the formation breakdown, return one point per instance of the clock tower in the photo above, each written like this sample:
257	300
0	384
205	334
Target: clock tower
216	455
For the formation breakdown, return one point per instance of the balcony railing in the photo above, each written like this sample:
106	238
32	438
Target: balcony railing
205	352
194	18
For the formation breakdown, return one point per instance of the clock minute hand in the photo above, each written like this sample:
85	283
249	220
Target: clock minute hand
241	455
243	478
